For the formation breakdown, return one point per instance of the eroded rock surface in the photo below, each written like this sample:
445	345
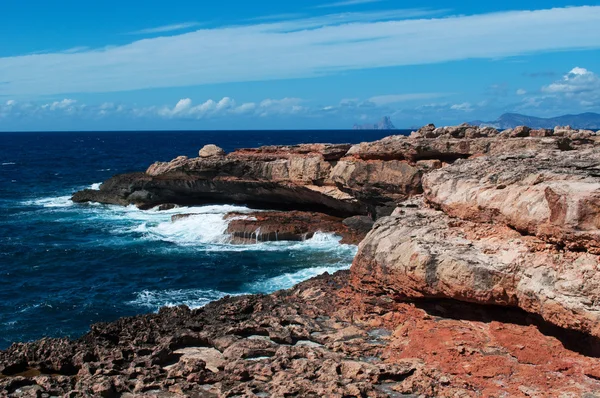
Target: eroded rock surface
423	253
249	228
554	195
341	180
293	177
479	279
321	338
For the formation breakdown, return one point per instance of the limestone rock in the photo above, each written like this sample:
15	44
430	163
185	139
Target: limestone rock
554	195
520	131
210	151
423	253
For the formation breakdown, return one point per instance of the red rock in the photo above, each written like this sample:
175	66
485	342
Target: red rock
290	226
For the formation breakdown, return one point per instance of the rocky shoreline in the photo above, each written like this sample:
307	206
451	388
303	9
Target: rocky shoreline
478	276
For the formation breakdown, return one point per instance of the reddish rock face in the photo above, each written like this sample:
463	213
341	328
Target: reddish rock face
321	339
291	226
340	180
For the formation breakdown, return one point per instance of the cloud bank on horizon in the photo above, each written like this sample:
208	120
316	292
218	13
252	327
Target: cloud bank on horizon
579	85
234	59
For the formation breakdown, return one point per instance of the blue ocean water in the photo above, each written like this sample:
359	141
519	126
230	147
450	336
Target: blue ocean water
64	266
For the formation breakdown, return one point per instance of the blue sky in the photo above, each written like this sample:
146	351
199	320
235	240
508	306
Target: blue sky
233	64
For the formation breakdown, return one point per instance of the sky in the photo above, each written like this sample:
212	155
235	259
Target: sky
312	64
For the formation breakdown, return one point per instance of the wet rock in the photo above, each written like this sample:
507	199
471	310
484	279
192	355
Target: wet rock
287	226
167	206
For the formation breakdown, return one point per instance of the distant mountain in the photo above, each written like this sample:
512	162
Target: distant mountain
384	124
511	120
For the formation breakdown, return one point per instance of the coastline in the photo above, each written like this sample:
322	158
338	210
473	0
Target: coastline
466	218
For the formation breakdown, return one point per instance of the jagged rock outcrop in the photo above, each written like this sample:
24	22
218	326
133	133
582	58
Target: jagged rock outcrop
554	195
293	177
480	277
319	339
341	180
271	226
423	253
384	124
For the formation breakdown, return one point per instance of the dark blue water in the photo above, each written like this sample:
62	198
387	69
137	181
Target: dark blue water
64	266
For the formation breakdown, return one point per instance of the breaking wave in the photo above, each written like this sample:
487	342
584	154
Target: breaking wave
193	298
58	201
289	280
199	232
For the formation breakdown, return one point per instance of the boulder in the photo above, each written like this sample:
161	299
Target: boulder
520	131
563	131
210	151
425	132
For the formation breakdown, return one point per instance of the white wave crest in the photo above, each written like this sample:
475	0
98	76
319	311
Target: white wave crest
58	201
204	225
193	298
95	186
289	280
8	163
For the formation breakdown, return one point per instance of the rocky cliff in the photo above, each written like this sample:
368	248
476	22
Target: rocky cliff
479	278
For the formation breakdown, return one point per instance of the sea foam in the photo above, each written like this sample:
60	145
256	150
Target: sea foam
193	298
58	201
204	230
289	280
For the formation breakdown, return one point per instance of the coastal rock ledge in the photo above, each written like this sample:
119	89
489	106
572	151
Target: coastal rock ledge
479	276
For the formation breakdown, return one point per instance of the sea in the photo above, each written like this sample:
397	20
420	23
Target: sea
65	266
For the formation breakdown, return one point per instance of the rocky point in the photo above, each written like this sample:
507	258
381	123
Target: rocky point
477	275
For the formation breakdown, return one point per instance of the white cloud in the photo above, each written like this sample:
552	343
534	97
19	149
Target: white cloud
578	80
576	91
465	107
74	50
245	108
521	91
166	28
298	48
226	106
67	103
347	3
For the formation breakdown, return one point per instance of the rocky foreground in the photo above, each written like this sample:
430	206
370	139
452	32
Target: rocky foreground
478	276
